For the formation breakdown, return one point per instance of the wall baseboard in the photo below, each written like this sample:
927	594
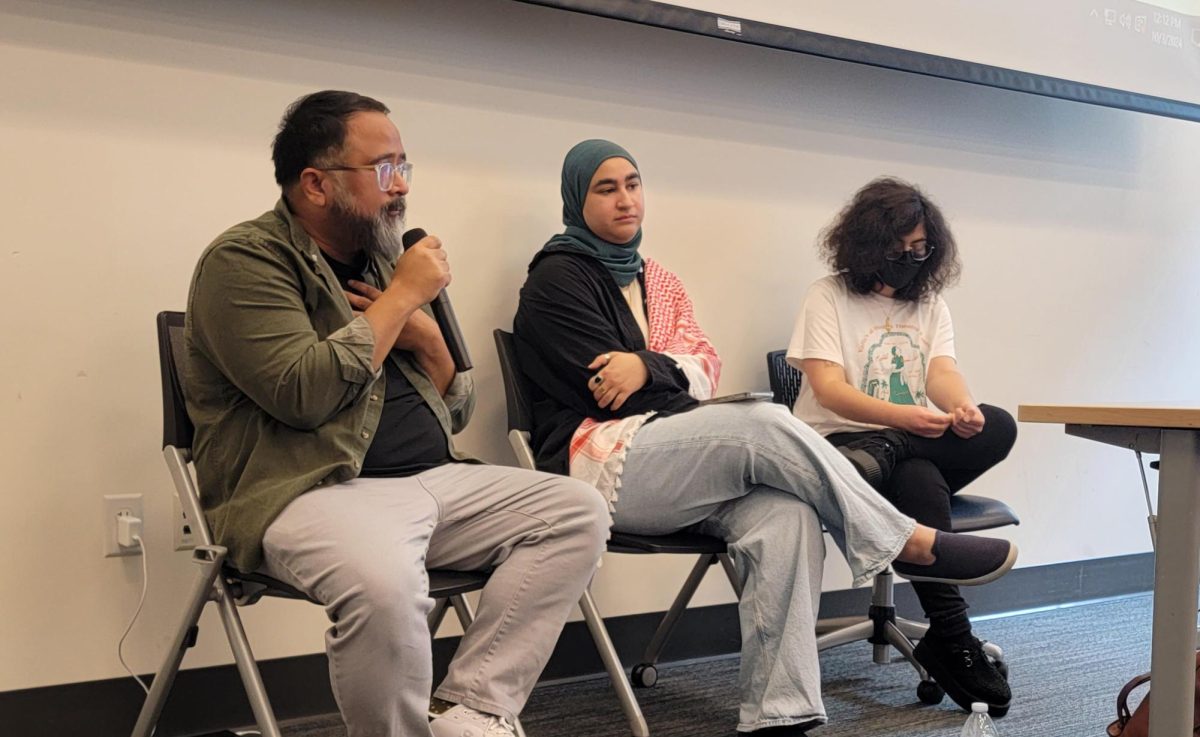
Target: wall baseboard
210	699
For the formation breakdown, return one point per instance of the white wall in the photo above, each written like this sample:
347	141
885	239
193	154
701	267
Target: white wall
132	132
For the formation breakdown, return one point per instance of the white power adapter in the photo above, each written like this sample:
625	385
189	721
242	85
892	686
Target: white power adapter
129	531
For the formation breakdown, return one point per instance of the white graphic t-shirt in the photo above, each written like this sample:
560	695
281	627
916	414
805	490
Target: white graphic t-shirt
884	345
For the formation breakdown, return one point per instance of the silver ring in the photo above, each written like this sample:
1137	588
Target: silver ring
607	358
599	379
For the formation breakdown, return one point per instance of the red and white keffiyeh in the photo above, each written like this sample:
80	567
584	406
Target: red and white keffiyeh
598	448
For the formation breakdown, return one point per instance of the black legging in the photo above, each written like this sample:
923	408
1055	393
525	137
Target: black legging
921	487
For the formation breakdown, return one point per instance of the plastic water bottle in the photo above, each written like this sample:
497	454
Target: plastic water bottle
979	724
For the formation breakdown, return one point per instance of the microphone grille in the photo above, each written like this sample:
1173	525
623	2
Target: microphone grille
410	237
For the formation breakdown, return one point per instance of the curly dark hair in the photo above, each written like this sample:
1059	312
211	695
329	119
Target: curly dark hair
879	216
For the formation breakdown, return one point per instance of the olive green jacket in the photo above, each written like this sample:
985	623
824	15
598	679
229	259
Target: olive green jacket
278	380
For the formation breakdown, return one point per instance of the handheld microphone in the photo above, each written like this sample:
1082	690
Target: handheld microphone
443	312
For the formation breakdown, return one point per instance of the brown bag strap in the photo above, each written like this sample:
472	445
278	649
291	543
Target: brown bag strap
1123	715
1123	698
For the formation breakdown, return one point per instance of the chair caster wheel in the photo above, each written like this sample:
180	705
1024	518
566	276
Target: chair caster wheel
644	675
930	693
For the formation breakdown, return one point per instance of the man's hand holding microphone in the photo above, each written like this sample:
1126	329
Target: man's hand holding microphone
421	275
395	314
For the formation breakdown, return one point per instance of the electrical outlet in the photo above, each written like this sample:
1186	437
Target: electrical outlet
185	532
116	505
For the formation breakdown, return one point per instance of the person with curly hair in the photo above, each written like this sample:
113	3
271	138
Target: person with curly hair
620	372
876	345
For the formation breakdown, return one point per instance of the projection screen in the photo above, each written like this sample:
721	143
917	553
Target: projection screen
1141	56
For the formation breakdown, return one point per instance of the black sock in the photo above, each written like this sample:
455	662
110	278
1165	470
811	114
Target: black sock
951	629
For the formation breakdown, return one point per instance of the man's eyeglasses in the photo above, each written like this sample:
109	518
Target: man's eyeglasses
385	172
918	253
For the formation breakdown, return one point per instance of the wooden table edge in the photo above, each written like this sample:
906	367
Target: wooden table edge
1117	415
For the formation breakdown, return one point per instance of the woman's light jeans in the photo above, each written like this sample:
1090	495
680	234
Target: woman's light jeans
755	476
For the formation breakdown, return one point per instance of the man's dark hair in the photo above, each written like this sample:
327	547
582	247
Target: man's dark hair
876	220
313	130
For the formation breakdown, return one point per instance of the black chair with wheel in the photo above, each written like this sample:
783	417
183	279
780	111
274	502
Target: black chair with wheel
216	581
881	627
708	551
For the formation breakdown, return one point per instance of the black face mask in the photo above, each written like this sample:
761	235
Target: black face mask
899	274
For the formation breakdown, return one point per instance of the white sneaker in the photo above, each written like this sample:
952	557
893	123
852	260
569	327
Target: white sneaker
463	721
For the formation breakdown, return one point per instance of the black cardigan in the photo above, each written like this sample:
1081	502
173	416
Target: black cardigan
571	310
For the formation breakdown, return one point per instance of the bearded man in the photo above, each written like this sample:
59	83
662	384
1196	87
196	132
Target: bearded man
325	400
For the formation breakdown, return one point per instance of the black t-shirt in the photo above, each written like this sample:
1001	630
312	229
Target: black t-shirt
409	438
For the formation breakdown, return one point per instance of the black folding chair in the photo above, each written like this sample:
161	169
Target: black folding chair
216	581
709	551
881	627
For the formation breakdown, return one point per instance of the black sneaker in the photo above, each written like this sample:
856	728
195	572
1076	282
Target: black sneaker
965	560
875	456
964	671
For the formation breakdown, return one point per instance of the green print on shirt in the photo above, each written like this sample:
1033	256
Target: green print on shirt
895	370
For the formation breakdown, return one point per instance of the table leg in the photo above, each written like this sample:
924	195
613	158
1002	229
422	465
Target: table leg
1176	572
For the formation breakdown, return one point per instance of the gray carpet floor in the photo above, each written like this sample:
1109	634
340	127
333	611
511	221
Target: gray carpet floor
1066	667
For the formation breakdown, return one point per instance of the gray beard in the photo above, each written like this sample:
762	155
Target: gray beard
388	239
374	235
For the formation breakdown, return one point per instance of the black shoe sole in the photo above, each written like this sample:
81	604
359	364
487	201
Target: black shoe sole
786	730
949	684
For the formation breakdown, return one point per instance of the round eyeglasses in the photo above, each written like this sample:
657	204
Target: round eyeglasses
385	172
918	253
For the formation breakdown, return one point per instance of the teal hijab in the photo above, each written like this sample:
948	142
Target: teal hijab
621	259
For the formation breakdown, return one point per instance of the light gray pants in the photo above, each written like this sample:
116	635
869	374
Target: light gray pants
763	481
361	548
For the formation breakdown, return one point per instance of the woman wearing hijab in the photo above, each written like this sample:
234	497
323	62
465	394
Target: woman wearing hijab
619	366
876	345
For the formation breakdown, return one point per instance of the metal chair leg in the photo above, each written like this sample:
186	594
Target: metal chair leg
833	624
912	630
902	634
209	559
897	639
612	664
731	574
883	598
518	728
855	632
246	665
462	607
667	625
436	615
